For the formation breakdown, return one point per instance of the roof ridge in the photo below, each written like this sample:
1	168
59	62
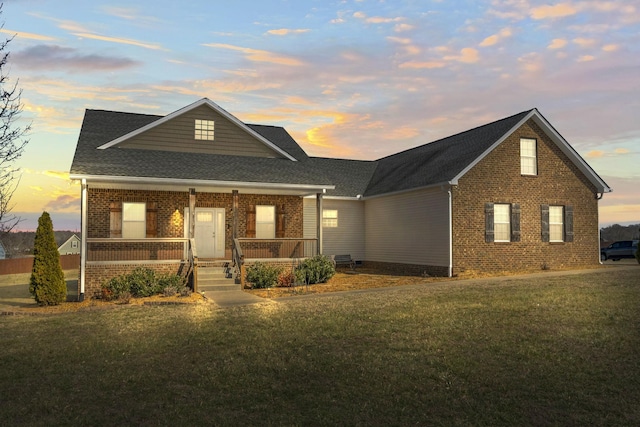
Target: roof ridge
100	110
459	133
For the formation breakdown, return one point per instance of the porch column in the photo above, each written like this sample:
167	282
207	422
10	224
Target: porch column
319	221
83	243
192	213
235	213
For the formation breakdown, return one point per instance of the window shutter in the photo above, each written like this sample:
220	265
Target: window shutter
115	219
544	222
488	222
568	223
280	221
152	219
515	222
251	221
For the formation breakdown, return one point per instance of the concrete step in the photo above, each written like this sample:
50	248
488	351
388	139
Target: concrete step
216	277
218	288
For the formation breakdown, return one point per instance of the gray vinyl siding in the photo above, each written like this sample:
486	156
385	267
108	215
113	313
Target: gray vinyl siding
178	135
346	239
408	228
309	221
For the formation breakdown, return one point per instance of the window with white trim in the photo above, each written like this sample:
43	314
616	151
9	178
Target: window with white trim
502	223
74	244
265	222
134	225
330	218
204	129
556	224
528	157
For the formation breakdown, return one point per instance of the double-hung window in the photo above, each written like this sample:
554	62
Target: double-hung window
330	218
528	157
134	224
265	222
556	224
501	223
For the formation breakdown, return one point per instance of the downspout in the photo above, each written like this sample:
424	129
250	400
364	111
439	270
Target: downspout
83	231
598	197
450	272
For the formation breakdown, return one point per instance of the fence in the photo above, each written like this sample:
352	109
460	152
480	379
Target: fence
24	265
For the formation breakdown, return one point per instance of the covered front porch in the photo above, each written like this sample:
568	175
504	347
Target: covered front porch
186	226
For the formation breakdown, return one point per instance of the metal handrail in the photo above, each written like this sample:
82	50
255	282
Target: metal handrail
193	263
238	257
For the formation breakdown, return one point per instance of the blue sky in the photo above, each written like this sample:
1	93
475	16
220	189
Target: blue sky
353	79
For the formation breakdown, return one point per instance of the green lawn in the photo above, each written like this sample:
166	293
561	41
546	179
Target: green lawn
562	350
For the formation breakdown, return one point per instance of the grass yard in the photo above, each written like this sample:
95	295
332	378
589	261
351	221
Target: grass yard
562	350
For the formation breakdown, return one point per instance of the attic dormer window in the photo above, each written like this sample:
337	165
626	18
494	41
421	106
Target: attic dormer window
204	129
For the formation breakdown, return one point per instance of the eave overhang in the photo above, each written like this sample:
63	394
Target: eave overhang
170	184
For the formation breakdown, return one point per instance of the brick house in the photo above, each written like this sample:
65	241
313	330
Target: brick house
512	194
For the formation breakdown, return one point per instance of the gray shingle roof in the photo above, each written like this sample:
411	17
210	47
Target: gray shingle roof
100	127
350	177
429	164
439	161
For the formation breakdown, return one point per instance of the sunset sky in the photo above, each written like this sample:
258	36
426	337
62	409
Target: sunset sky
352	79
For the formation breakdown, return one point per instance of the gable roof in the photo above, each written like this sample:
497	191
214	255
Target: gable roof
213	106
73	237
446	160
112	164
442	162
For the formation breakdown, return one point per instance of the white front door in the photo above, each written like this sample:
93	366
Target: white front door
209	232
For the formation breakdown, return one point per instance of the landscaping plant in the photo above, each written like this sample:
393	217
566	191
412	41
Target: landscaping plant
143	282
47	284
318	269
261	275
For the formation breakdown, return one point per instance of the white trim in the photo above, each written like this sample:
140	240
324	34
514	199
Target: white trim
555	137
450	268
83	241
409	190
213	106
192	182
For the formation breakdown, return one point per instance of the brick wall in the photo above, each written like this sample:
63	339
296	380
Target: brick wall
98	274
497	179
171	223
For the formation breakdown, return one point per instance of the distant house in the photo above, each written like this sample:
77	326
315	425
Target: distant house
71	246
164	191
3	252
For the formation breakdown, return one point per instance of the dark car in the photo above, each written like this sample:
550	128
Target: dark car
618	250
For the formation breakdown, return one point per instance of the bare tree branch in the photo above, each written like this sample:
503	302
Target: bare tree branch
12	139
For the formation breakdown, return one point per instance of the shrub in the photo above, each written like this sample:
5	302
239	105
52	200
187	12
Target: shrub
142	282
170	284
115	288
286	279
318	269
47	284
261	275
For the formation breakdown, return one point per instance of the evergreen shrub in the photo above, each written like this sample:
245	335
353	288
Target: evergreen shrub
318	269
261	275
47	284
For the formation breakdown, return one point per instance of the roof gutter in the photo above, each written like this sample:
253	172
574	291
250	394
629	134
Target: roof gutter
203	182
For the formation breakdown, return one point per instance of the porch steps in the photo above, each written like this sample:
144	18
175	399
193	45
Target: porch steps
216	276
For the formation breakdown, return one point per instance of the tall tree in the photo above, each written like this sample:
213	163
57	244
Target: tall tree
47	283
12	139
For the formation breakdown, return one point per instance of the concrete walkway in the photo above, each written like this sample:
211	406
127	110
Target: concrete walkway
226	299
